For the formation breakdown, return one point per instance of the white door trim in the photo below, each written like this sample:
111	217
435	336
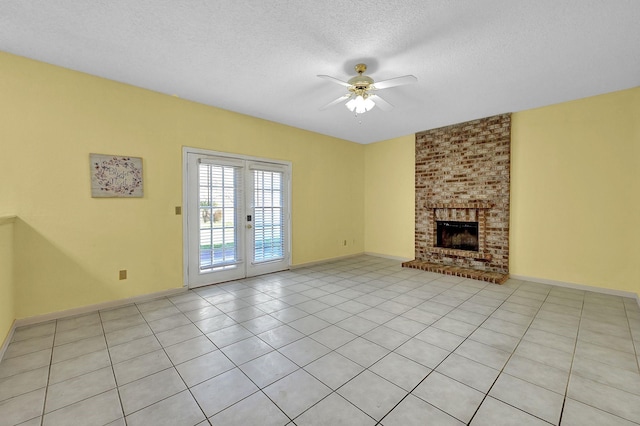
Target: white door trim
185	231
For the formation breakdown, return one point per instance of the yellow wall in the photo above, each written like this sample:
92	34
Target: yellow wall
573	165
7	311
575	192
69	246
389	201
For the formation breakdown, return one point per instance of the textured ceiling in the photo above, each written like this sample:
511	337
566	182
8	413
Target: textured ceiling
472	58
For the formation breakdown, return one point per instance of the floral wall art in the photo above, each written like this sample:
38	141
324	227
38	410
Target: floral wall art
115	176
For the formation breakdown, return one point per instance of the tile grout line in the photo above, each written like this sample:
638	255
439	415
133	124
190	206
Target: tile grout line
331	350
249	378
291	420
46	389
335	350
605	384
232	362
443	360
170	360
115	380
573	357
509	358
633	341
398	315
62	381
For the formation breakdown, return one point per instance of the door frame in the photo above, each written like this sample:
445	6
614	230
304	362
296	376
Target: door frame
185	205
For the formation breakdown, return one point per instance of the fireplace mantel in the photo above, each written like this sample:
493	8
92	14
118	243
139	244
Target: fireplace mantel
461	205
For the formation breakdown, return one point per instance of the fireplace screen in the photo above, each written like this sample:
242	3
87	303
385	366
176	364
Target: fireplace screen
457	235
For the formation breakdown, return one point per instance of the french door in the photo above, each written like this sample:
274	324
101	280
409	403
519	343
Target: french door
237	217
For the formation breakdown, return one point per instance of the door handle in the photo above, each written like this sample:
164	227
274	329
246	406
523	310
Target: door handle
249	226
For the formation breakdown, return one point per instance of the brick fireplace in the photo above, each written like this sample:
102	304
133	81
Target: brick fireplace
462	199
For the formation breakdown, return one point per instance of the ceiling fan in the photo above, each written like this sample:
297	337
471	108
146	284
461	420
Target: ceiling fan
362	91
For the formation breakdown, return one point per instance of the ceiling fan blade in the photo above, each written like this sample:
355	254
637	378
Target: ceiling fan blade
381	103
336	101
393	82
335	80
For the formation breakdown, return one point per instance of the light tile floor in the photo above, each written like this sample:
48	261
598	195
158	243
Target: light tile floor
359	341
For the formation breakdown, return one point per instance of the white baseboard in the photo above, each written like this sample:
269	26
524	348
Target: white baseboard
8	340
321	262
610	291
386	256
349	256
96	307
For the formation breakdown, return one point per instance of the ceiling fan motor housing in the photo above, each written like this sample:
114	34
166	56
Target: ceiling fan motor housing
360	83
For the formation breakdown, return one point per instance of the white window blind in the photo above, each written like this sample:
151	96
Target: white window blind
268	221
219	195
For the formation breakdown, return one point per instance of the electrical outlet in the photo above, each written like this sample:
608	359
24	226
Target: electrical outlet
178	210
123	274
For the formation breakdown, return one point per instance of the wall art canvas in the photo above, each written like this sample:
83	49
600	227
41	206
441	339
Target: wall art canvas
114	176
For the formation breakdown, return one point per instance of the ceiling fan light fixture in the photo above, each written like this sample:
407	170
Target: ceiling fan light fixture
351	105
368	104
360	104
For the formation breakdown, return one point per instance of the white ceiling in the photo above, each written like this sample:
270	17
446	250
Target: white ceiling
258	57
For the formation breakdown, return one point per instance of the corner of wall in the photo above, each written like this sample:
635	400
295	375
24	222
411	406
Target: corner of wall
389	200
7	285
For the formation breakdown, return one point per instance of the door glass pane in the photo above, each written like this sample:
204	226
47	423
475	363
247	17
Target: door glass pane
218	195
267	222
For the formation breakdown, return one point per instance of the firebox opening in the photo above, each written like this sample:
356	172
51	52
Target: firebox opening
457	235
